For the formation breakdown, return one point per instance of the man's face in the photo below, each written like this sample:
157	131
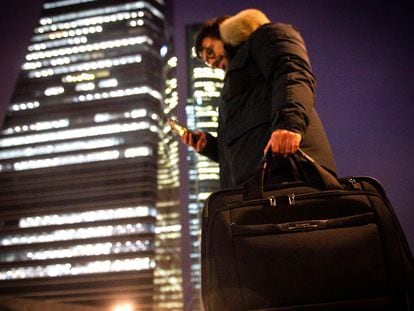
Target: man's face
213	53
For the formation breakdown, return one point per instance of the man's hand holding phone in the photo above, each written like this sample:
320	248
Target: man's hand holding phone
195	139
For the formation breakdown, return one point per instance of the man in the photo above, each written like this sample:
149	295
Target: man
267	101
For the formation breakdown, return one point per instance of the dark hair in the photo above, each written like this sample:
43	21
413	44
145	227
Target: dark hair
210	28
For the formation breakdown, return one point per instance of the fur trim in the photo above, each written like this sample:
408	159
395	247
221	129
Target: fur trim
237	28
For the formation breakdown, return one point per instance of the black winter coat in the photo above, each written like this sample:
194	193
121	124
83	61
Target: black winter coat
269	85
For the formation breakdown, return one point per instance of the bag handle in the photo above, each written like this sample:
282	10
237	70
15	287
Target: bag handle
255	187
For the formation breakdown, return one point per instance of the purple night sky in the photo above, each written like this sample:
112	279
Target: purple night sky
361	55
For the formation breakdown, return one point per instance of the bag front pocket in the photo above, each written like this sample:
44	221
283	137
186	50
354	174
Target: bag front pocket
301	263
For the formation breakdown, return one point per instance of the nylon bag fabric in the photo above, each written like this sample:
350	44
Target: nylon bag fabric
318	244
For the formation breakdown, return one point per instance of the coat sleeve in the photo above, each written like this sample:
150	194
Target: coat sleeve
211	148
280	53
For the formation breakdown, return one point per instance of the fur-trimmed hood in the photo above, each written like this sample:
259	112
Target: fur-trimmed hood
237	28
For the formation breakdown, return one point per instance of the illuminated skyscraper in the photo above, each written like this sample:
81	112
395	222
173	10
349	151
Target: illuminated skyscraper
202	113
89	202
168	274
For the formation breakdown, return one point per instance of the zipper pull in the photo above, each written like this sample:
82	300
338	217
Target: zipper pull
291	198
355	184
272	201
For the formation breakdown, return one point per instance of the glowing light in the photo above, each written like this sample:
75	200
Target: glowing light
163	50
124	307
54	90
172	62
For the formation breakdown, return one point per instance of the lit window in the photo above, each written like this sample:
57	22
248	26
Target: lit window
80	233
138	152
172	62
90	216
24	106
103	266
123	307
86	86
62	147
138	113
90	47
108	83
163	50
54	90
74	133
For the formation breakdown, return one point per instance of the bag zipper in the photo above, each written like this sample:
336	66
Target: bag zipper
292	198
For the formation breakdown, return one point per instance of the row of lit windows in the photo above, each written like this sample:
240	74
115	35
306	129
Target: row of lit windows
97	215
170	236
59	270
61	123
85	66
136	23
206	93
52	23
202	176
76	233
133	114
174	285
170	172
97	130
120	93
207	112
170	203
61	3
78	159
208	73
83	26
71	37
81	87
62	147
89	86
211	169
97	96
85	76
171	182
76	39
207	170
208	86
168	229
209	124
78	251
24	106
37	126
110	44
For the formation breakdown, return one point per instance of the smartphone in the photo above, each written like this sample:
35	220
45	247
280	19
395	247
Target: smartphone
180	129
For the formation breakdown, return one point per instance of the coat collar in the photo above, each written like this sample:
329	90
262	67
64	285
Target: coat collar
237	29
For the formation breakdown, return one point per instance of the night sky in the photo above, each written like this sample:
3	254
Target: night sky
361	52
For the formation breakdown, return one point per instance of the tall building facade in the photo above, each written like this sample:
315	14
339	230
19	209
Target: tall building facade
89	204
204	87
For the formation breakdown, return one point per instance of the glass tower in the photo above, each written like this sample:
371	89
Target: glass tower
204	87
89	203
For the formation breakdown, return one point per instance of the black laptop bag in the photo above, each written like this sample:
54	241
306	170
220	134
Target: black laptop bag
319	243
